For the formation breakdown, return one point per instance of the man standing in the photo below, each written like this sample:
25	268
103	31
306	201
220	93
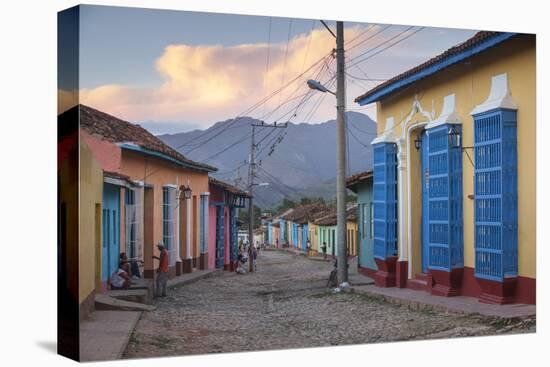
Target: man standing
324	248
162	271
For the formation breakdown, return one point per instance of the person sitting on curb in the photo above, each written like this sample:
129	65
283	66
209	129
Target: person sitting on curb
120	279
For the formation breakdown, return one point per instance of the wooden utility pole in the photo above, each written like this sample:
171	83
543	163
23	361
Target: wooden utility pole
341	220
251	176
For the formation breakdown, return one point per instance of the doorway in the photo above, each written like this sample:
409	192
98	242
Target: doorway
424	178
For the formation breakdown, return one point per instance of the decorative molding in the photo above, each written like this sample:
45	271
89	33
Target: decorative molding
386	136
499	97
448	113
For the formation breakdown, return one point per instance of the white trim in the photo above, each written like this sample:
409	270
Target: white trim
205	193
448	113
499	97
409	217
387	134
171	186
404	143
116	181
188	230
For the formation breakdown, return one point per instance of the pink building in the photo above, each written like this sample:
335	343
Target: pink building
225	199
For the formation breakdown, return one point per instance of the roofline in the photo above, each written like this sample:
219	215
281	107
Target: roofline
140	149
432	69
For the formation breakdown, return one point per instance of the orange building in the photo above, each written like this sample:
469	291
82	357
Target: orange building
151	194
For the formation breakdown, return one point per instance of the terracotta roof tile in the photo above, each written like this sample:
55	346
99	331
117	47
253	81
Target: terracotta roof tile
116	130
228	187
469	43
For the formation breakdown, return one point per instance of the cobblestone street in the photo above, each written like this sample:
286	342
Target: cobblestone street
285	305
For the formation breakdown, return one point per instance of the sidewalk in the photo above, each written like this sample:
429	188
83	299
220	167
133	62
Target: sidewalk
421	300
104	335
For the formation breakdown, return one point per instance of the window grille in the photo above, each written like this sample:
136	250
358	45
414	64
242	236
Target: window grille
133	223
385	200
445	244
169	207
495	194
234	245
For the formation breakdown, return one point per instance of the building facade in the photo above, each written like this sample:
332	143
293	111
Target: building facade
361	184
151	194
454	172
222	242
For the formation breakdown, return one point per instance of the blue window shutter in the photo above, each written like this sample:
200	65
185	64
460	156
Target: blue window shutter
495	188
385	200
220	234
445	215
233	229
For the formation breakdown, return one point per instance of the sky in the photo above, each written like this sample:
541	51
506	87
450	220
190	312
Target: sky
175	71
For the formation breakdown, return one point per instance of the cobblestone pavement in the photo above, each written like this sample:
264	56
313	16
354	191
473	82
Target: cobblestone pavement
285	305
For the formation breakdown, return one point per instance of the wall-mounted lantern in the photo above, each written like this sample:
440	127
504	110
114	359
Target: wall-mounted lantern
454	138
186	192
417	143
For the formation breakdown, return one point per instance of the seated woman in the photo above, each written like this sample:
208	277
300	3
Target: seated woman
130	267
120	279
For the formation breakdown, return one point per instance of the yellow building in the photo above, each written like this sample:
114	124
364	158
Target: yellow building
454	172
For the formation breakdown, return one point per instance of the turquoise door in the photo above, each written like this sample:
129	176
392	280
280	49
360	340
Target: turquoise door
425	207
111	230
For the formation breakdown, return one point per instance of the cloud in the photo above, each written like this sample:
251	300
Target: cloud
205	84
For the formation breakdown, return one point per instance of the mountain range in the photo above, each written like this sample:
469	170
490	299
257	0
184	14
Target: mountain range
296	161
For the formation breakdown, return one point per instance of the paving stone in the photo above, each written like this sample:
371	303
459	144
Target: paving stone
286	304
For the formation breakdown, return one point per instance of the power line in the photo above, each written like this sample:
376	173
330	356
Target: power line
384	49
251	108
226	148
286	54
368	38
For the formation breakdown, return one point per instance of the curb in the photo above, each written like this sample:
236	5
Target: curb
426	307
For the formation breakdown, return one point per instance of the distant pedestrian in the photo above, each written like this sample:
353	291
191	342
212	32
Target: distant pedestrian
324	248
254	257
277	243
308	246
162	271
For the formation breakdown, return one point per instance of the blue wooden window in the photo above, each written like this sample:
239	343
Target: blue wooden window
220	236
495	193
233	234
385	200
445	216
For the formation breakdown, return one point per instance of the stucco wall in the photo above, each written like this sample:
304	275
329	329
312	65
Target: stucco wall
91	191
470	82
158	173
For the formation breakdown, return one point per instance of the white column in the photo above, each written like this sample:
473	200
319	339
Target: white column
206	213
401	197
177	227
188	230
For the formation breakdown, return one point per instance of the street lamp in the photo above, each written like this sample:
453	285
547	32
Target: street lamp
315	85
417	143
341	229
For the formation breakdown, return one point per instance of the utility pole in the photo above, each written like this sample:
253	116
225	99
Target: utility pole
342	269
251	173
251	184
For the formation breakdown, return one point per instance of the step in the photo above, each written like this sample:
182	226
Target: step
417	284
106	302
138	295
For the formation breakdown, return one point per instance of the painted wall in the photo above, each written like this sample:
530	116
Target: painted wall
364	235
91	193
313	230
471	82
211	237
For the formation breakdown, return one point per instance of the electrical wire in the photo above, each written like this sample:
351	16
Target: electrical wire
386	48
